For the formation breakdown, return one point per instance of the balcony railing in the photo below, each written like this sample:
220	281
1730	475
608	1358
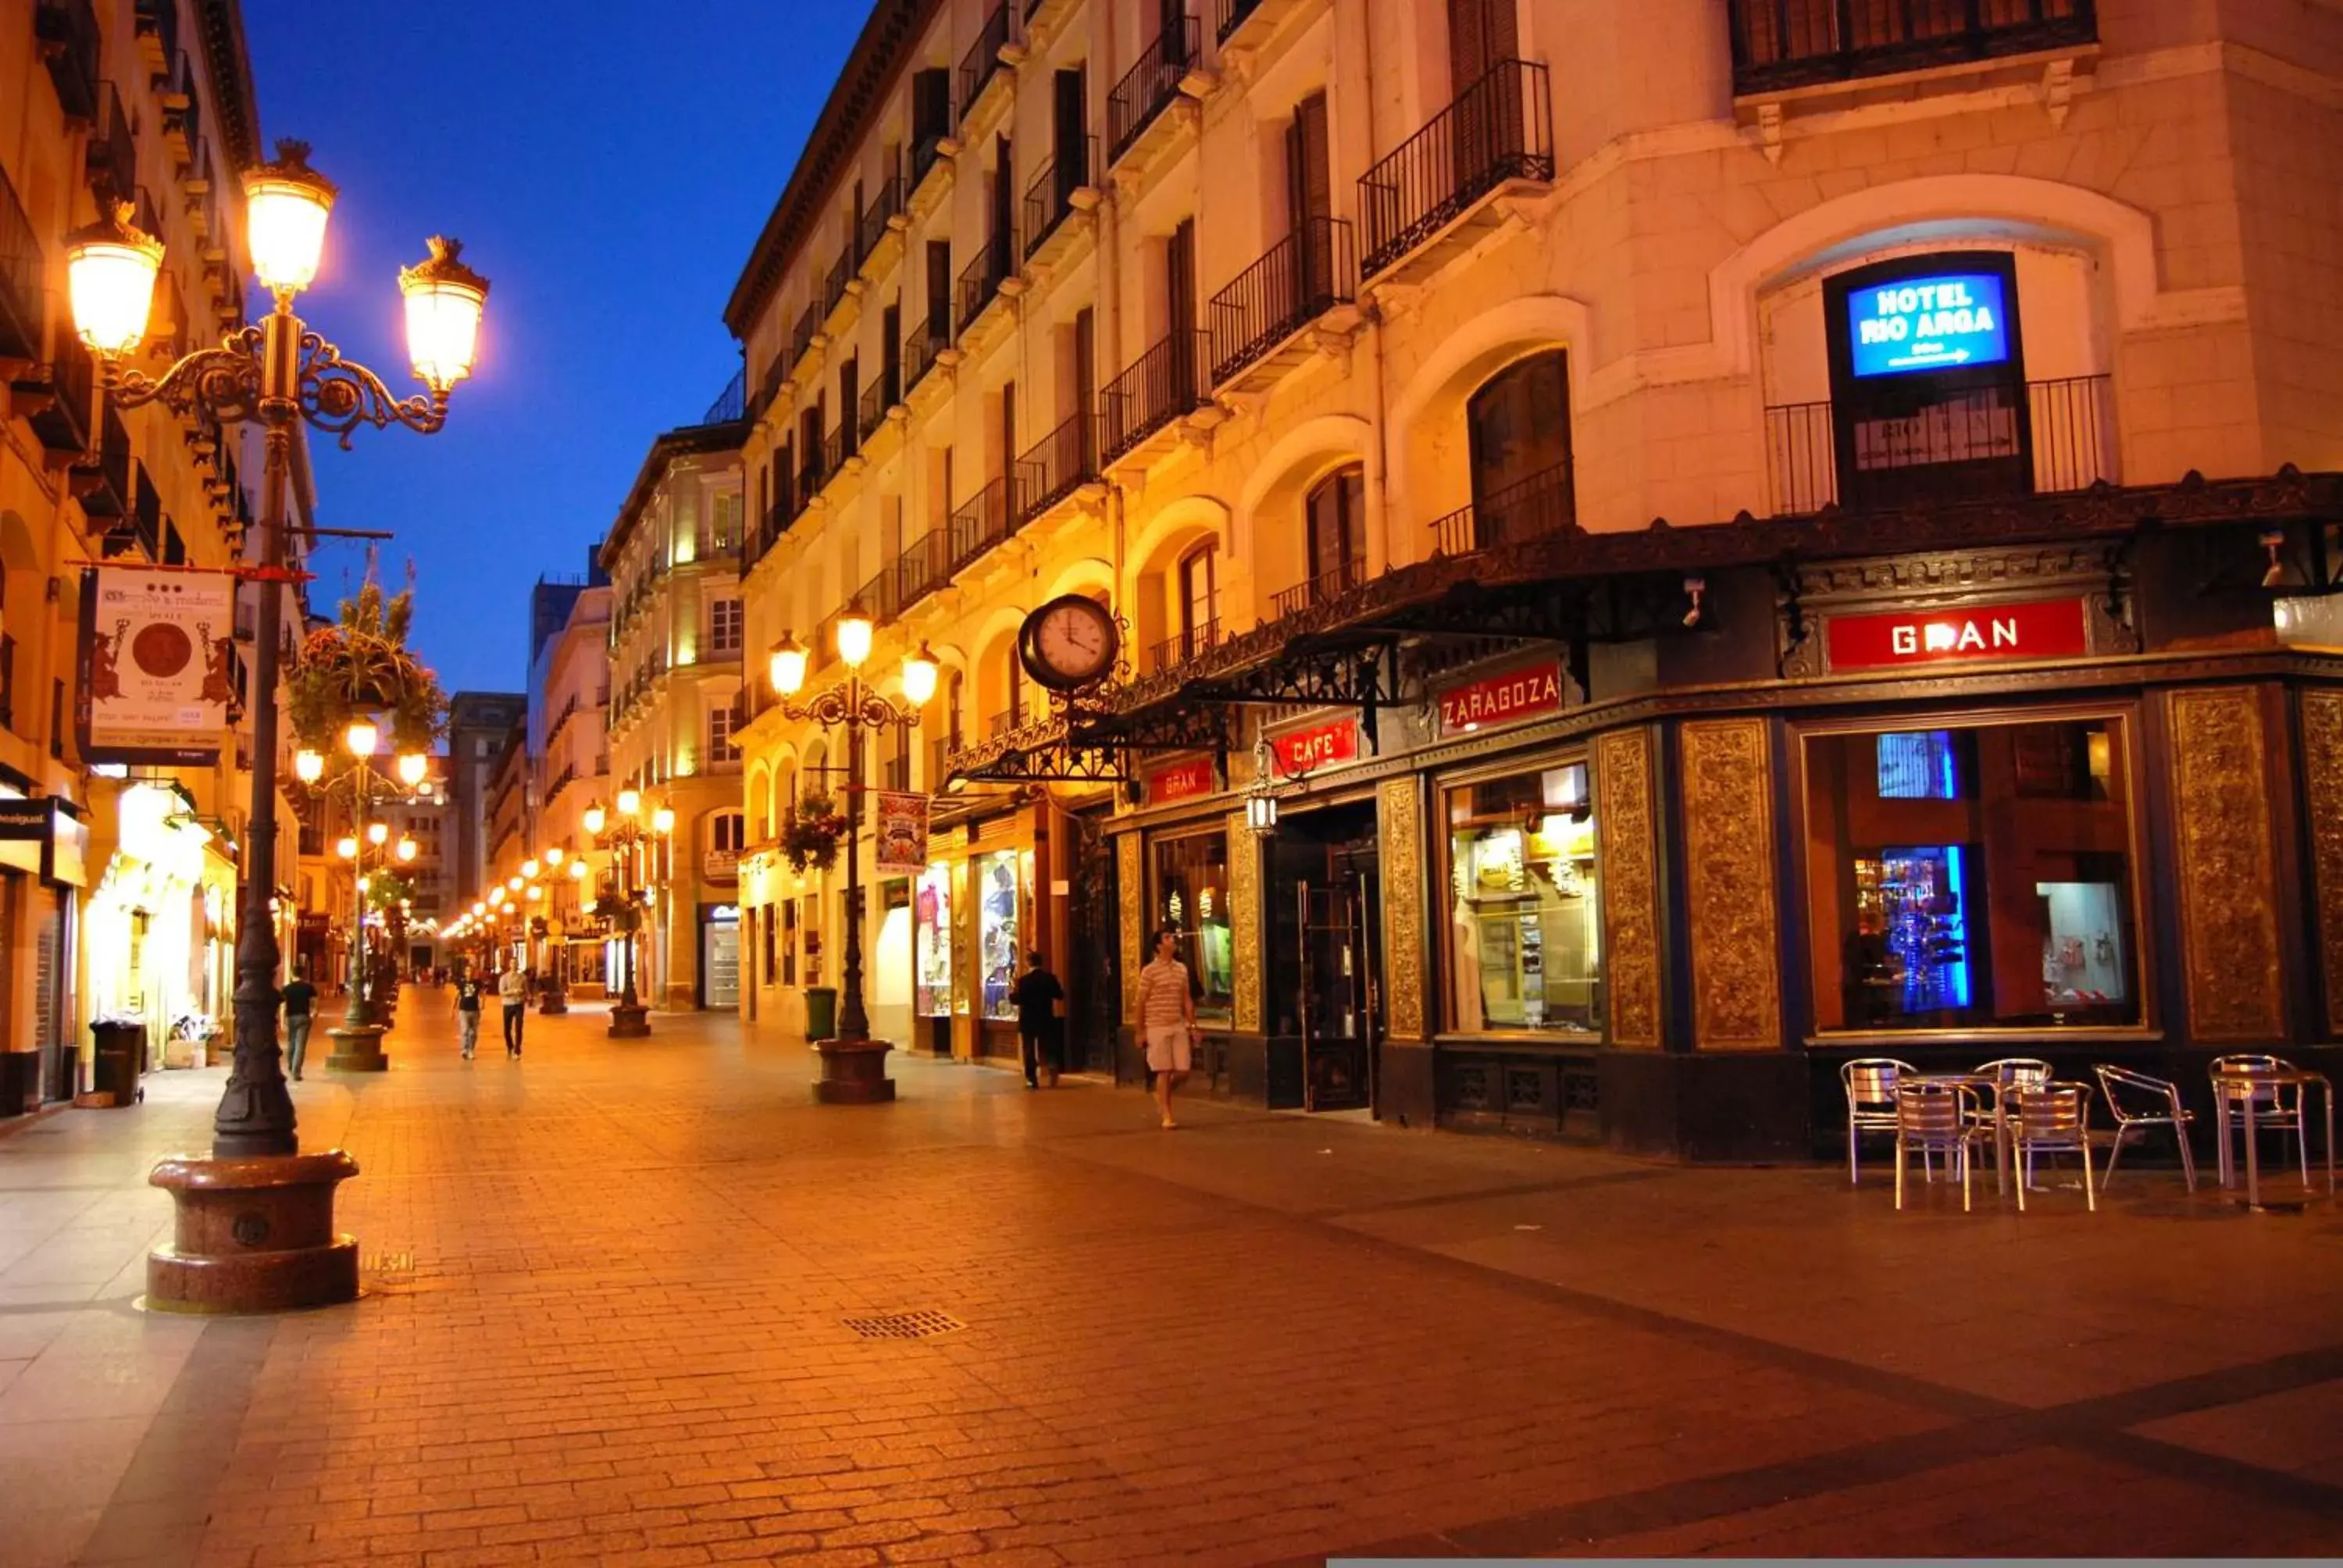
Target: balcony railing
1332	583
877	398
183	113
765	534
1975	443
110	162
1231	15
981	524
812	475
732	403
884	208
983	57
1302	276
1158	388
1500	128
64	425
840	444
103	481
1783	43
158	30
1148	88
881	598
924	566
1054	467
1545	503
926	153
67	31
1051	197
809	326
22	308
981	279
841	274
927	340
1186	643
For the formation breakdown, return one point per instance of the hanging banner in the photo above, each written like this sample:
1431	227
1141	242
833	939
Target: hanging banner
158	665
901	832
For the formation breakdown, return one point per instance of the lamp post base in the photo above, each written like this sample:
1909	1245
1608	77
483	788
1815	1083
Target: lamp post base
629	1021
853	1073
555	1005
253	1235
357	1047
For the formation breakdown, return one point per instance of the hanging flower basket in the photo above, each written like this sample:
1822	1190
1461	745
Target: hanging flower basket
810	844
361	667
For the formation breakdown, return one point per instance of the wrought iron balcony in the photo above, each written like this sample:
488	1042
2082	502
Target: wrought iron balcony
1545	503
1056	465
877	398
880	599
843	442
1302	278
102	480
885	207
110	161
926	153
808	328
924	566
1233	15
1783	44
68	36
183	113
981	280
69	381
841	274
23	309
156	29
1148	88
1050	199
2062	439
1332	583
982	60
1500	128
812	473
1186	643
928	340
1159	386
981	523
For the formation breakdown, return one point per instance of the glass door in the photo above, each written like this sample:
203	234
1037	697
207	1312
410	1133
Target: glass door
1339	1001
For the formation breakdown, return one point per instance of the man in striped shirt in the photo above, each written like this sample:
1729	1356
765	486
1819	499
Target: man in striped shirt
1167	1019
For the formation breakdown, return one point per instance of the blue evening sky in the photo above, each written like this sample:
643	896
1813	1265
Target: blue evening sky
608	165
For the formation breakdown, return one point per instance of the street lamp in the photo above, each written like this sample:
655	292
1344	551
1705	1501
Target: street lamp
624	837
853	1065
274	374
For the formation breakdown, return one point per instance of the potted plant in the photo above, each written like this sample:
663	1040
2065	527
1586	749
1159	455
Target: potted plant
810	843
360	667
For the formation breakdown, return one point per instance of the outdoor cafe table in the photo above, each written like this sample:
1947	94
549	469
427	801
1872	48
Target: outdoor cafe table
2241	1086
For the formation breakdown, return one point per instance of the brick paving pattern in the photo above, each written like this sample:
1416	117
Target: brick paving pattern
608	1294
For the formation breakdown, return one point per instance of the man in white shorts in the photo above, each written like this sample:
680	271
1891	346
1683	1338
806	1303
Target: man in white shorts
1167	1019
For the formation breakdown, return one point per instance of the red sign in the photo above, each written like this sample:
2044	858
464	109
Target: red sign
2034	629
1180	783
1502	700
1299	751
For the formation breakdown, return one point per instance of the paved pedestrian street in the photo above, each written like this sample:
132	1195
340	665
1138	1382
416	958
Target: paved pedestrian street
619	1298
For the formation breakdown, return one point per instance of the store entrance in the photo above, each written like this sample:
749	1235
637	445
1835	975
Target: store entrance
1326	964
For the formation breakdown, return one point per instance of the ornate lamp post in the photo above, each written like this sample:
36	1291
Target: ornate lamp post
358	1046
625	836
273	374
556	996
853	1065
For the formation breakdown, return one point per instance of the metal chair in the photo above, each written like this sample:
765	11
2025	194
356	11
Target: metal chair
2001	1076
1935	1118
2138	1103
1870	1083
2285	1102
2052	1118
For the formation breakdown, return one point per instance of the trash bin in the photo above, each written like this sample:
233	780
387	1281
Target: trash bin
121	1049
821	1012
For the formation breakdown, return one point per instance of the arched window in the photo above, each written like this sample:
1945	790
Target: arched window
1337	515
1518	422
1014	712
1200	598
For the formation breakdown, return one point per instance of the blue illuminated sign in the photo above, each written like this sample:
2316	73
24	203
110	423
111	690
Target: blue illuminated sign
1944	321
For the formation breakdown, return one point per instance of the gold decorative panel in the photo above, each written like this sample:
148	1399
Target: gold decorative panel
1244	920
1401	827
2322	766
1737	978
2228	928
1132	895
1630	883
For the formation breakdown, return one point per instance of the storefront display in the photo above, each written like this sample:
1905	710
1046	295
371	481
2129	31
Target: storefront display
1525	928
1972	876
999	952
932	946
1191	899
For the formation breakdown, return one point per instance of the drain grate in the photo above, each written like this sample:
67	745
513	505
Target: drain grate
905	1325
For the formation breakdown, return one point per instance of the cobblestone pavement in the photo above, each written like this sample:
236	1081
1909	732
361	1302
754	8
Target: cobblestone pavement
610	1292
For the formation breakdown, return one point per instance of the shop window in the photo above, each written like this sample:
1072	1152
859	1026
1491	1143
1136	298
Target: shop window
1191	899
1972	877
931	935
1525	927
1000	931
1337	517
1518	425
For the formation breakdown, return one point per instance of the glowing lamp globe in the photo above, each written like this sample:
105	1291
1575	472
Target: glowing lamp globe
285	205
855	631
361	738
346	848
553	856
308	766
445	299
595	819
789	666
630	802
377	832
412	766
110	269
920	676
528	870
576	870
407	849
663	820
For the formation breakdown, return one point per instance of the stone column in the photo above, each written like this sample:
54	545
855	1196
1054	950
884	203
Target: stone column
2322	770
2232	962
1411	1013
1626	808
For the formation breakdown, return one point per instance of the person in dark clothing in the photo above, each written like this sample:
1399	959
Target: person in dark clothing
1036	995
300	1006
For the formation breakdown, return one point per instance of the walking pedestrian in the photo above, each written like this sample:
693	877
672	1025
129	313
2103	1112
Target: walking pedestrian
1036	994
467	1012
1167	1019
301	1002
512	987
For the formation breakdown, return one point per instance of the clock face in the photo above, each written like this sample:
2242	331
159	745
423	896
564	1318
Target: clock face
1070	643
